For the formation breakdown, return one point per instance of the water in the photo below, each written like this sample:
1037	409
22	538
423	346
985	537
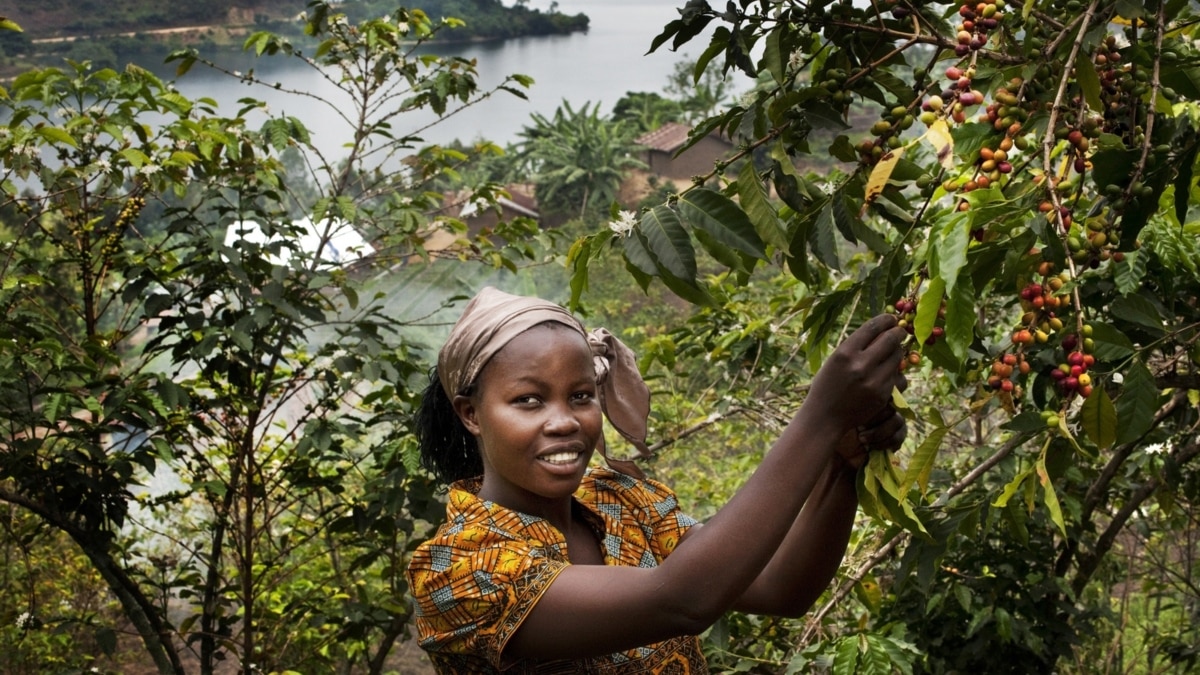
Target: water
595	67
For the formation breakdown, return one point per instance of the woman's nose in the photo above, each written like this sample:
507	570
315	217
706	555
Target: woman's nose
562	420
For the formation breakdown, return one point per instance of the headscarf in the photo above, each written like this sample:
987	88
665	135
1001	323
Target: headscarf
493	318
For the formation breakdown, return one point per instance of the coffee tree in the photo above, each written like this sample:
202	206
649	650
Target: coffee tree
1016	182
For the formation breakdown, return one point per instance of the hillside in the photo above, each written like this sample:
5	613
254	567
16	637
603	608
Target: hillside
111	33
75	18
54	18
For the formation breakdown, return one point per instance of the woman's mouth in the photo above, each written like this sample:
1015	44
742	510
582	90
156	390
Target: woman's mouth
560	458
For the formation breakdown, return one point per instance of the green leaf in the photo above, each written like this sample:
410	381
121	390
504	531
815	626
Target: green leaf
821	239
1139	310
774	56
56	135
637	255
821	115
1137	403
920	465
668	242
718	215
949	250
1129	274
1050	496
1110	343
928	307
1183	182
961	316
845	660
1011	489
1089	82
1098	416
853	228
759	208
723	254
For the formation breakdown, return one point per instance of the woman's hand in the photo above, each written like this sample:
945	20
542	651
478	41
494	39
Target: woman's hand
886	431
856	381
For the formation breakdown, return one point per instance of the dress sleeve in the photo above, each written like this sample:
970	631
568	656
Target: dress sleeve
474	587
645	520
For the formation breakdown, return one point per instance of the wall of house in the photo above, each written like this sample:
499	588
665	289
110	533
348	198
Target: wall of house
697	161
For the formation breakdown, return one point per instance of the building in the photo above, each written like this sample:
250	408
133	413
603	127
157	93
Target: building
663	143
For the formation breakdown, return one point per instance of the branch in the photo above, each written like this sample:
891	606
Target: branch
1089	562
847	584
139	609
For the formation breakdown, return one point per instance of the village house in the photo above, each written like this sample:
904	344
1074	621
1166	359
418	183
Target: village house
662	144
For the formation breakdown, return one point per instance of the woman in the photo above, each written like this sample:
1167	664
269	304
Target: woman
545	566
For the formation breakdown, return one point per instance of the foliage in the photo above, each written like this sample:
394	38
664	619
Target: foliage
1022	197
200	389
699	96
646	111
576	158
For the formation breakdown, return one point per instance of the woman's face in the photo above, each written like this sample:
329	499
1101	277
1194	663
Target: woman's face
536	416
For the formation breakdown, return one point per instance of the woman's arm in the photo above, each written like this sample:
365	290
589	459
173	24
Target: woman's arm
590	610
811	553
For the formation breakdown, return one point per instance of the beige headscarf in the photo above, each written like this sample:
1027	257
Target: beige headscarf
494	317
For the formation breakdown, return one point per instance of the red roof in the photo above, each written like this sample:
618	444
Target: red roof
667	138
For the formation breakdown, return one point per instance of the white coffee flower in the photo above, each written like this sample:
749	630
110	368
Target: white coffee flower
25	621
1157	449
624	223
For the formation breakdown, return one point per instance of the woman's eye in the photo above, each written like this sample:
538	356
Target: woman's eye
584	396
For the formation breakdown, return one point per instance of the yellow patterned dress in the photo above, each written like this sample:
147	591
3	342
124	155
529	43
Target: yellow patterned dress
484	570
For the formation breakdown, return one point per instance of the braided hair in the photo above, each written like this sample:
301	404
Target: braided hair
448	450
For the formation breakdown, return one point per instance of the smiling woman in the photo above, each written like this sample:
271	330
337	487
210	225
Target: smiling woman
545	565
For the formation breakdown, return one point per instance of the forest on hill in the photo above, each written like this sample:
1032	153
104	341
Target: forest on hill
54	18
112	34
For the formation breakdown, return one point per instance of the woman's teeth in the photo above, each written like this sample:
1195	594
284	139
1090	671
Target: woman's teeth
561	457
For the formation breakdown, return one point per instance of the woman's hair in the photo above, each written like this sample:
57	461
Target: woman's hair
447	448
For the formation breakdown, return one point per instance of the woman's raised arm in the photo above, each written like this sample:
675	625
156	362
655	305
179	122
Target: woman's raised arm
593	609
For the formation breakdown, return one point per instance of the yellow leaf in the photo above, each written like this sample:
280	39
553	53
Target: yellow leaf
880	175
939	137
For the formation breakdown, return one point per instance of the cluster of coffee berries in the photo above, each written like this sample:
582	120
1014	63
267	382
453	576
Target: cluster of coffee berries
1039	322
1007	112
954	99
1004	368
905	310
1095	242
834	82
978	20
1071	376
886	134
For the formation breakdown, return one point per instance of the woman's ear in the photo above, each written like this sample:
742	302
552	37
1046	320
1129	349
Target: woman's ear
465	408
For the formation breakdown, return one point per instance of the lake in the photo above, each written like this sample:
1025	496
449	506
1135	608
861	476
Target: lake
598	66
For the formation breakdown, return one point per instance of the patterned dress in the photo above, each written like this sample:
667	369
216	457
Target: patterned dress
487	566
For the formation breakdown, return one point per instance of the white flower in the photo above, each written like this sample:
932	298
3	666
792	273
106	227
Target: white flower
1157	449
104	165
624	223
402	26
25	621
796	60
149	169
